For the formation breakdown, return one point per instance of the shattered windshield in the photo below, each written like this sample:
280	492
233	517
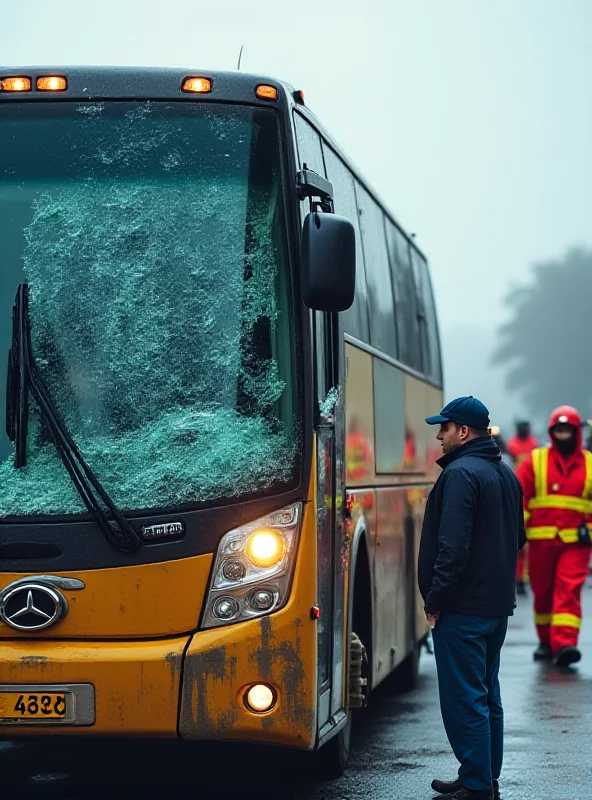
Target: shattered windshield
153	240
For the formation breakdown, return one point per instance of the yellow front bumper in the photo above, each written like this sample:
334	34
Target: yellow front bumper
142	689
137	684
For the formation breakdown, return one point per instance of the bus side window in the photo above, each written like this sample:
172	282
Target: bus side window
310	151
383	333
429	339
405	298
356	318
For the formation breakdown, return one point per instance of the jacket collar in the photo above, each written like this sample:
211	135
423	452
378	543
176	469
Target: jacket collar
483	446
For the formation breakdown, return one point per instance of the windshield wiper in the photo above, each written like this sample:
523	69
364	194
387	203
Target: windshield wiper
17	400
24	379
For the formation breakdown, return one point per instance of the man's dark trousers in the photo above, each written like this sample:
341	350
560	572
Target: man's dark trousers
467	651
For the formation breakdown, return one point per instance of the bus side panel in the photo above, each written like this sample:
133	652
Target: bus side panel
391	453
427	400
390	580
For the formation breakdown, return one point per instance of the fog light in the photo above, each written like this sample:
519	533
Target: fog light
226	608
260	698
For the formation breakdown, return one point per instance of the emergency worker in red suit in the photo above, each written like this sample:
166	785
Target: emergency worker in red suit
557	486
519	446
522	443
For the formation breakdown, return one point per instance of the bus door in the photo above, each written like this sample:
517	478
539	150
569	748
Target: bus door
332	556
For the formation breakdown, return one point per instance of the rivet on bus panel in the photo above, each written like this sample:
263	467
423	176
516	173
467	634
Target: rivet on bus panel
15	84
197	85
52	83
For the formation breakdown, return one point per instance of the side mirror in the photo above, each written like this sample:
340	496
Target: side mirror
328	262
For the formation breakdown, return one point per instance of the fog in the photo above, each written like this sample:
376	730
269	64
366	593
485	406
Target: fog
471	119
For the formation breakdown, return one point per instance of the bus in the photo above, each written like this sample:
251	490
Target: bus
217	350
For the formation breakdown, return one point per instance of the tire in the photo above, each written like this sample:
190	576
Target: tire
407	673
405	676
331	760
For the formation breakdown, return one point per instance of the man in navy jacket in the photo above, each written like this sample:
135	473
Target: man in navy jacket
472	531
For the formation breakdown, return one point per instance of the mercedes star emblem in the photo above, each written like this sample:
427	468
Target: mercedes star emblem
31	606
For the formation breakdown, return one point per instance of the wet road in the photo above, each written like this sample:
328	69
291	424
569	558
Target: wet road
399	746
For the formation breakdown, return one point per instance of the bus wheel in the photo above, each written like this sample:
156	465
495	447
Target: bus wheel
333	756
408	672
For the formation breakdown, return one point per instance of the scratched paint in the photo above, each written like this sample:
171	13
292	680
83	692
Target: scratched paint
201	670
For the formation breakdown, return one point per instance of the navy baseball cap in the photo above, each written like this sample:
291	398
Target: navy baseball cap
464	411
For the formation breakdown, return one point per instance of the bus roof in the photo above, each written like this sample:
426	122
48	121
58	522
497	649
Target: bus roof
98	83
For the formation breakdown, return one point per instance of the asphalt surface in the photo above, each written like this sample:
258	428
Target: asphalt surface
398	747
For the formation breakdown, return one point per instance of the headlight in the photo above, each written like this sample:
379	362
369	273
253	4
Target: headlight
265	548
253	569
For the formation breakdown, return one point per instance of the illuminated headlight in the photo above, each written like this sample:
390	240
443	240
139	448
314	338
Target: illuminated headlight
253	569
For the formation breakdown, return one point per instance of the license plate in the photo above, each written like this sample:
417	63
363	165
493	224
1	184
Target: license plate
49	705
14	705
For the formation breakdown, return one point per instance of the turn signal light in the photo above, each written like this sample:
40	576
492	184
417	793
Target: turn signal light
52	83
16	84
266	92
197	85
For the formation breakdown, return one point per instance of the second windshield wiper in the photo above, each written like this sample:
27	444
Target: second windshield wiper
24	378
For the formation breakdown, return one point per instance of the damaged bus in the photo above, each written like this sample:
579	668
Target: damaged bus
213	465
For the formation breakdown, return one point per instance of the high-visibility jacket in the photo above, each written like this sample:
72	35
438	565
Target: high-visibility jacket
557	493
519	448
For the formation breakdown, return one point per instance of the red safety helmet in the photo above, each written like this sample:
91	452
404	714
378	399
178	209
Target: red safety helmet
565	415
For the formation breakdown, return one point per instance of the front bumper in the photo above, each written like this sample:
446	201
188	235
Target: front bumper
136	684
191	687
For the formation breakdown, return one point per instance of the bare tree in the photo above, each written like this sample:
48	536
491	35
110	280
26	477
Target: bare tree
546	346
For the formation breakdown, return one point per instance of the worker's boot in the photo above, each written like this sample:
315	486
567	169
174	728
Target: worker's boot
566	656
543	652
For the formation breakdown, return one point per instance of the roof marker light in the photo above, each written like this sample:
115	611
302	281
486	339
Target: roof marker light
266	92
15	84
197	85
51	83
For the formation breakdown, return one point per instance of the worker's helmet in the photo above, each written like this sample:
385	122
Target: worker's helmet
565	415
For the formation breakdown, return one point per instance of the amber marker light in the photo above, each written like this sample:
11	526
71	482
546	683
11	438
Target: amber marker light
16	84
52	83
260	698
266	92
197	85
265	548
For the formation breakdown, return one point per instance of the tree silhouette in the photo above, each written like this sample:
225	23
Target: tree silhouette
546	346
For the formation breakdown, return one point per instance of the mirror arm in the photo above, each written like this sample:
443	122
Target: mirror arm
311	185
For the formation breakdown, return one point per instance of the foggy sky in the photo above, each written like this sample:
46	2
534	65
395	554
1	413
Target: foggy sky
471	118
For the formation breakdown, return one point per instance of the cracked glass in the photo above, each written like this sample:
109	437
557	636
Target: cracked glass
153	239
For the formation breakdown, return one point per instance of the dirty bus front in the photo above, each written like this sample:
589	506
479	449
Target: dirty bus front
175	543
